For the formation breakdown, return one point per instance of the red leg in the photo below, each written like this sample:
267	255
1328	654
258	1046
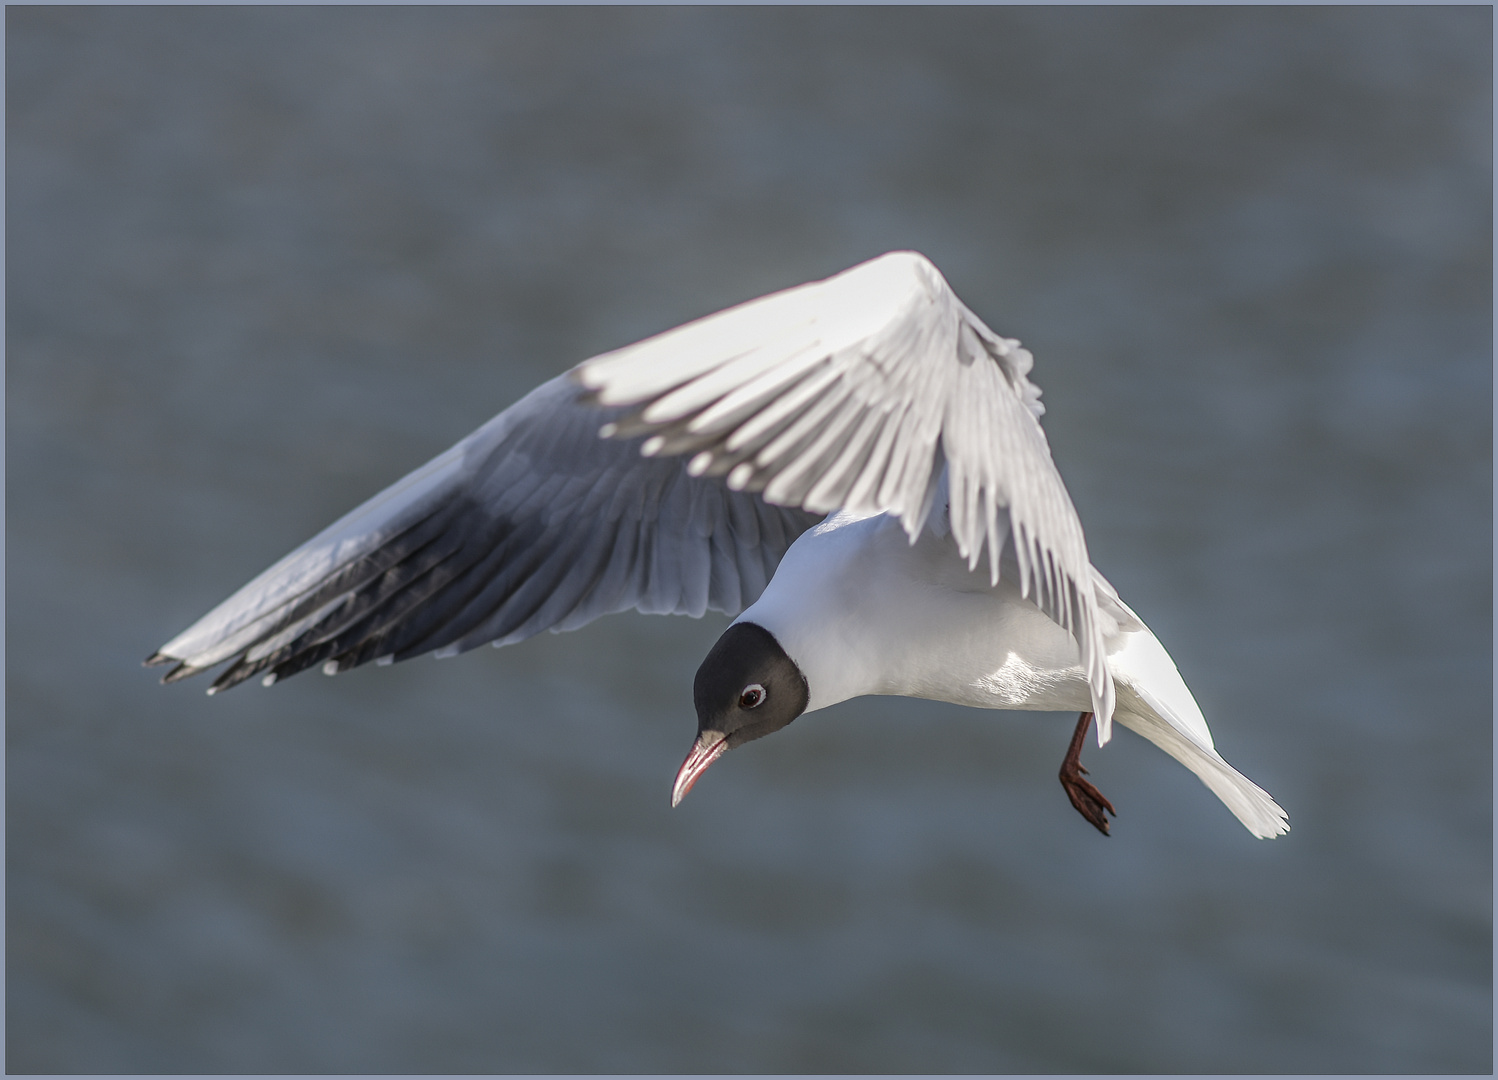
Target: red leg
1088	800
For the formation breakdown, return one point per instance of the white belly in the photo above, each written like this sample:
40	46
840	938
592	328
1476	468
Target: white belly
863	611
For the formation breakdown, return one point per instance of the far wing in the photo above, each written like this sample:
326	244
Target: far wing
531	523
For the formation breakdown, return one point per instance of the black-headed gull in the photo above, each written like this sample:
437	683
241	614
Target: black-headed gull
854	467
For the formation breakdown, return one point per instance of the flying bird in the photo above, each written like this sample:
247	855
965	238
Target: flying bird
854	468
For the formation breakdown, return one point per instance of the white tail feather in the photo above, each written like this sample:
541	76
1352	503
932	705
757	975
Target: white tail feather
1250	804
1153	701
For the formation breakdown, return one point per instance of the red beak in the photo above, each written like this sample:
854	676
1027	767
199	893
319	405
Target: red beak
706	750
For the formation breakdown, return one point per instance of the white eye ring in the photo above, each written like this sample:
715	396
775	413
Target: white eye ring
751	696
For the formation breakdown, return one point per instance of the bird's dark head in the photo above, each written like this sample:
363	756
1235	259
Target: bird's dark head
746	688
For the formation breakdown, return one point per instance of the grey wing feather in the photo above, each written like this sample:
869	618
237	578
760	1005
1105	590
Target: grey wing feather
865	392
531	523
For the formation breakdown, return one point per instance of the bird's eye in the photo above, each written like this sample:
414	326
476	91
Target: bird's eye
753	694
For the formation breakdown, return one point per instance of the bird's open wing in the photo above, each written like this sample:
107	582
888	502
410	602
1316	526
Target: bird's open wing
531	523
855	393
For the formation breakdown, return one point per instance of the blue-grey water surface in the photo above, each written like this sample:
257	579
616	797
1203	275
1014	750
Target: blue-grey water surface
262	261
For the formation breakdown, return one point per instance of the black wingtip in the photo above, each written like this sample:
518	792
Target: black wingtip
233	675
184	670
156	659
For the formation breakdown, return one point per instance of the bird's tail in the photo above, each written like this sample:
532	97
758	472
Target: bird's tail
1154	702
1251	804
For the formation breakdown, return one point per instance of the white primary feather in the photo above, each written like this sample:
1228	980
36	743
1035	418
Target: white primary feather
860	393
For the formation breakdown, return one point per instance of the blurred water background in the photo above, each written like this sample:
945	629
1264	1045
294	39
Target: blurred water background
262	261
